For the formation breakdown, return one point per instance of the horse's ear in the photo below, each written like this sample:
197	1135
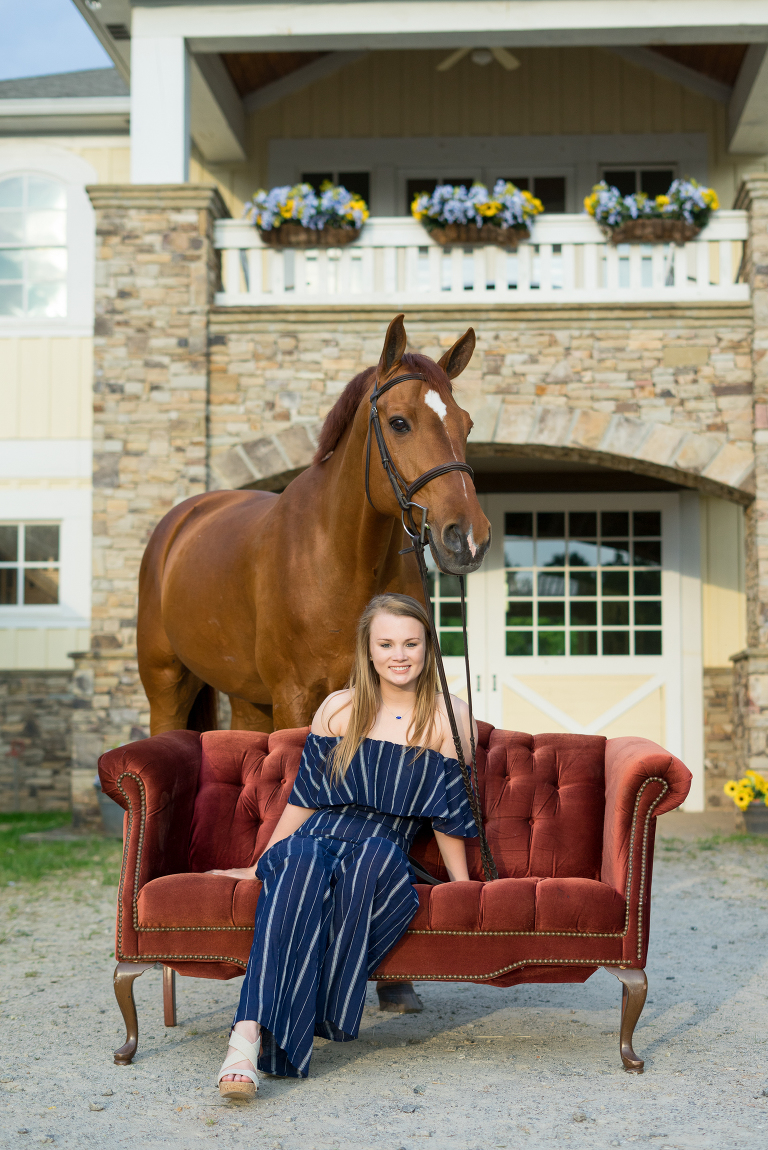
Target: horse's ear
457	357
394	346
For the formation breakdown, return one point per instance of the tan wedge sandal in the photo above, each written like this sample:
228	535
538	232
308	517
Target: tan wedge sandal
241	1090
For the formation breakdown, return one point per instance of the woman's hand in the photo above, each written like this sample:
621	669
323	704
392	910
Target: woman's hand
240	872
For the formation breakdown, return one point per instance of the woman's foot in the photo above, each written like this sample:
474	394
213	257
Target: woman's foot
250	1032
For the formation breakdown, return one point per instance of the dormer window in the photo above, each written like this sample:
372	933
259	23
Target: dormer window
33	247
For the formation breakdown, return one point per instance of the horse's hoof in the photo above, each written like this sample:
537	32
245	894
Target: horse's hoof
399	998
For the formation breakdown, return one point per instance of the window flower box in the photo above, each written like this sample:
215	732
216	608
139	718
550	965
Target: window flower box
675	218
300	217
454	215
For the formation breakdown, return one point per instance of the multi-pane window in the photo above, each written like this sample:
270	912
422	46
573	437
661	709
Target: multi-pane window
654	181
33	252
583	582
29	564
445	595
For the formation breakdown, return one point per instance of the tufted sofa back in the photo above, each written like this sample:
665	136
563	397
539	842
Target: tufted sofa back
543	797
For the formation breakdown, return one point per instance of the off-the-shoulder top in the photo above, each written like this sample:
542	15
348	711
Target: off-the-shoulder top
385	779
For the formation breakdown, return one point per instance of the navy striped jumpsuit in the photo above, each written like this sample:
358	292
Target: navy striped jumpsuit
338	893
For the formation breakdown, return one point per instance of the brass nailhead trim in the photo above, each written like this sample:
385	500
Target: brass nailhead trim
193	929
504	969
521	933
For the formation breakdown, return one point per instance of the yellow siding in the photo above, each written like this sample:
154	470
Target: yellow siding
45	388
41	648
556	91
585	698
724	601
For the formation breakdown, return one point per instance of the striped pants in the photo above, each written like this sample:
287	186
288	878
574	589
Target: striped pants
328	913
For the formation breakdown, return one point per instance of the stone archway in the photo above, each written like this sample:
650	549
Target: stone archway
268	463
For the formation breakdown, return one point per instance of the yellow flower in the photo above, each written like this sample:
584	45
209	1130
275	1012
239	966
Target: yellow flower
662	201
492	208
590	203
710	199
286	211
730	787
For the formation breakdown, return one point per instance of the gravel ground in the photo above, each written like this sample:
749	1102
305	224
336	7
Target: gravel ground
530	1066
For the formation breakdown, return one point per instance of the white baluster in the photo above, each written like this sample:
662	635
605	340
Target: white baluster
457	272
231	271
658	267
478	271
435	256
389	256
524	253
500	272
277	277
412	270
322	271
592	253
255	271
344	272
300	272
611	267
681	268
726	263
702	264
367	271
635	266
545	267
569	266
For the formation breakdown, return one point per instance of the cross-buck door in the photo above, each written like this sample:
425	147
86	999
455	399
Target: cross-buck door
575	618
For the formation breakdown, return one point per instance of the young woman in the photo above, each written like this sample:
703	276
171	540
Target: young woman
338	891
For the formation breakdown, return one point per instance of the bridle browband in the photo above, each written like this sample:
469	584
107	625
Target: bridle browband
404	493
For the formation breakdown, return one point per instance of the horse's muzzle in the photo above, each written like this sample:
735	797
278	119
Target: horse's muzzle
456	551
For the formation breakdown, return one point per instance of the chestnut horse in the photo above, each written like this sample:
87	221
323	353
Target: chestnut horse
258	595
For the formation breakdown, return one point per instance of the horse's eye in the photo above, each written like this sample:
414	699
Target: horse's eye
399	425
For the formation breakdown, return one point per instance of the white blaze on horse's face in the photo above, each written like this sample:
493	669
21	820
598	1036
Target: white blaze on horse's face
433	400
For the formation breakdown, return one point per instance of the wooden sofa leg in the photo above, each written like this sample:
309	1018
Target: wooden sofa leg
169	996
125	975
633	992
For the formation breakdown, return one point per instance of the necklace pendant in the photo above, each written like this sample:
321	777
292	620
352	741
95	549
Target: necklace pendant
398	716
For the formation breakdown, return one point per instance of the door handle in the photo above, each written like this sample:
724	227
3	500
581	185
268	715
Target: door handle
494	682
478	683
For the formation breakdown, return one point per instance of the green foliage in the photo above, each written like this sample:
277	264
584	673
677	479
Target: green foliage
24	861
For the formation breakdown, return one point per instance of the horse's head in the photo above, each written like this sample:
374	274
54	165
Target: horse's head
423	428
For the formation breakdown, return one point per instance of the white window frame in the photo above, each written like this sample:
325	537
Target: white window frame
75	174
71	509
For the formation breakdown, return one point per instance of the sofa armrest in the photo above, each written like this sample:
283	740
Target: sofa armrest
642	781
155	781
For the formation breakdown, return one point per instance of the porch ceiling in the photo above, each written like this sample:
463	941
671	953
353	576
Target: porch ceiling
251	71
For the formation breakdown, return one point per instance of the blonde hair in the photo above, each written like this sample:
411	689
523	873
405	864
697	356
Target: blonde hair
365	686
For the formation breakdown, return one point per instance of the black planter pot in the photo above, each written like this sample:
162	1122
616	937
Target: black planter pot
756	819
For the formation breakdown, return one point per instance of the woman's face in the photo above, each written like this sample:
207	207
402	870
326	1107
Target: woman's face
398	648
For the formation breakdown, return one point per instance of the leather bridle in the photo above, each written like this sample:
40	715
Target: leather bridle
404	493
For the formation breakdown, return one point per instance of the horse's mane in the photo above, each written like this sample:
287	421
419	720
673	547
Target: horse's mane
343	411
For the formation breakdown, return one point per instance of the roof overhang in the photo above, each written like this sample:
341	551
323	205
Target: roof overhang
66	114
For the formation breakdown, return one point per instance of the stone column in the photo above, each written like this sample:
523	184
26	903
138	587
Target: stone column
156	274
751	665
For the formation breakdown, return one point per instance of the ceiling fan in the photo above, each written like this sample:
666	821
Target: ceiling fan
481	56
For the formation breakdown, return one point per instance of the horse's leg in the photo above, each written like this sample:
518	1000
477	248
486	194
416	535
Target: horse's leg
251	716
171	688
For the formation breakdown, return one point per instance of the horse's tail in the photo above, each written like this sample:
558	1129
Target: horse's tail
204	715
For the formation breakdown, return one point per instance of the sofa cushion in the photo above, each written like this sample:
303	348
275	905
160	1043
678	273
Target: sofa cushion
216	902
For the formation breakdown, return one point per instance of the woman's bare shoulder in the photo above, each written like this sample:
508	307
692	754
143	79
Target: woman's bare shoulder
332	716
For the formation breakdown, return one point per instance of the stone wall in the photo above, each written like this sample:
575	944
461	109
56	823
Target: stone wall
663	390
36	710
721	757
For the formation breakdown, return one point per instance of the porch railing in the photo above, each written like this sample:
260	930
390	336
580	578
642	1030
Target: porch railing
567	259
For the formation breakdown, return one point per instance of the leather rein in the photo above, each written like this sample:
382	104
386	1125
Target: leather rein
404	493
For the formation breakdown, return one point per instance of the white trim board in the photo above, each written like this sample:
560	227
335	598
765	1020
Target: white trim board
392	161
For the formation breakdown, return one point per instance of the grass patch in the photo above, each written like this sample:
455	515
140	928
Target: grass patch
31	861
754	842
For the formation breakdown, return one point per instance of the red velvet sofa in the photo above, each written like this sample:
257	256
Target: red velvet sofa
570	820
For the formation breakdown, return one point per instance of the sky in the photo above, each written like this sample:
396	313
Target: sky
44	36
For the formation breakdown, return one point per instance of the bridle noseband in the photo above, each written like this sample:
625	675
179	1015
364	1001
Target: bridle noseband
404	491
